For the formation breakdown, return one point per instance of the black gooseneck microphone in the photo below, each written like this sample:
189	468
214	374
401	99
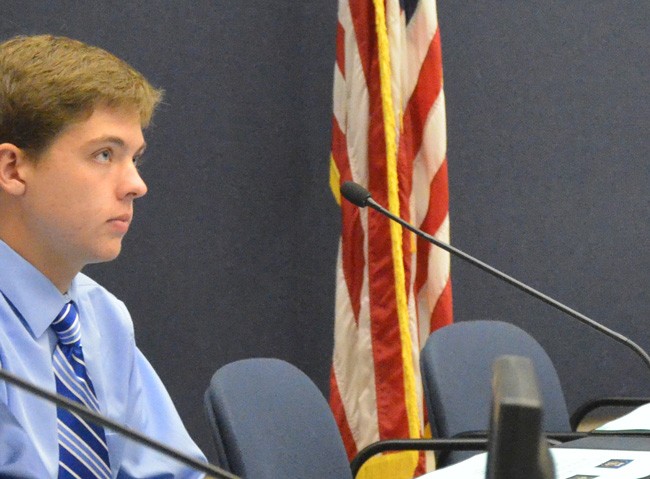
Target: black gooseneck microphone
83	411
359	196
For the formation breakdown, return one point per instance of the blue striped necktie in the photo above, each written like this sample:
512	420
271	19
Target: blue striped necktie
82	445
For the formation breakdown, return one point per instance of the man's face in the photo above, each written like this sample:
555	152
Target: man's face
78	202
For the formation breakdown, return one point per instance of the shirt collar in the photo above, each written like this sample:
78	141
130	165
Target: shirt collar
32	294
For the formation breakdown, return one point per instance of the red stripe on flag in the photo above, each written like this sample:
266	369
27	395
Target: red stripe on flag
435	216
438	200
363	21
352	255
442	314
339	414
424	95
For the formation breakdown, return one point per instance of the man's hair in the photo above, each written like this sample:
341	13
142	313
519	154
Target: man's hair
48	82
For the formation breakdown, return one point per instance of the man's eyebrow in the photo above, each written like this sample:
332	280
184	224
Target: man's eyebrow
117	141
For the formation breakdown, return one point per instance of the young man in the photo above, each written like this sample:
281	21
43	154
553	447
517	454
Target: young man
71	120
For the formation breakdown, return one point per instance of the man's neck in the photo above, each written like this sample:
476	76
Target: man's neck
61	275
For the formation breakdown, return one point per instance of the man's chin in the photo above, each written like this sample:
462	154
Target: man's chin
105	256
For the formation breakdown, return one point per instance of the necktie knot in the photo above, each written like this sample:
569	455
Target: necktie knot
66	325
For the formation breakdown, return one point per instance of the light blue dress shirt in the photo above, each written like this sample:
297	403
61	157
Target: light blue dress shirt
128	389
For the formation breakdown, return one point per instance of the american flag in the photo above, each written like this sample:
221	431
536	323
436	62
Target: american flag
393	289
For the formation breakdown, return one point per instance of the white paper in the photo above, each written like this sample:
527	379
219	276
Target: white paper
569	464
637	420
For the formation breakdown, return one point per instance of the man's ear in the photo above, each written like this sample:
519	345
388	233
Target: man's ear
12	163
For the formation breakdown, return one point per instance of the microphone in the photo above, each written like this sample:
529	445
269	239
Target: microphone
94	417
359	196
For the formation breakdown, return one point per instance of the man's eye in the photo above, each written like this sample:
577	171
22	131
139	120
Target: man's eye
103	156
138	160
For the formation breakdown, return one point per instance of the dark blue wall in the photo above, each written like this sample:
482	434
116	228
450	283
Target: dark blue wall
232	252
548	119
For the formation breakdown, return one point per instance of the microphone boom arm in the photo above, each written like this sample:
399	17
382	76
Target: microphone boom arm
512	281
